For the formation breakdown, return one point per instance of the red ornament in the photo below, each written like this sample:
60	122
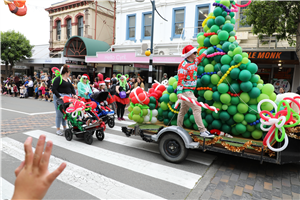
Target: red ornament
155	85
147	101
139	90
134	100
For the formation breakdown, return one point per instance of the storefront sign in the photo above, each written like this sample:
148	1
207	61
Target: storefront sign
20	67
141	66
75	62
274	55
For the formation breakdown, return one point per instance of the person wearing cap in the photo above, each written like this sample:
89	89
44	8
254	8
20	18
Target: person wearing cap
187	81
122	102
84	88
165	77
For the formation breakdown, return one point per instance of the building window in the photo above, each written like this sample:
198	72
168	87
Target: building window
178	22
69	28
201	14
242	16
80	26
130	34
58	30
146	26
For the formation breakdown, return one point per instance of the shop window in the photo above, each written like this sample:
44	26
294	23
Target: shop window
146	26
201	14
58	30
178	22
118	69
131	23
69	28
242	16
282	78
80	26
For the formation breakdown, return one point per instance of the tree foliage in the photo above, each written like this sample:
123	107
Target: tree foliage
14	48
280	17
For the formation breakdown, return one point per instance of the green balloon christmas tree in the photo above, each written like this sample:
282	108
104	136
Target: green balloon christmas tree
226	80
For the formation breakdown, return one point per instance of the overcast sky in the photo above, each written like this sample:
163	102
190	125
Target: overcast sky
34	25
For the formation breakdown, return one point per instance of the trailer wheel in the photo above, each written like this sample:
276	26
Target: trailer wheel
68	134
172	148
100	135
88	137
111	123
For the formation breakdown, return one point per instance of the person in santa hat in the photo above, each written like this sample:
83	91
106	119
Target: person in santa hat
102	86
84	88
187	81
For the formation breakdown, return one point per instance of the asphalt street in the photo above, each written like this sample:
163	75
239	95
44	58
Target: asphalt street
121	167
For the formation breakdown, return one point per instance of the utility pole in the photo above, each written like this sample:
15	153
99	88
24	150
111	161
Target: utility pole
151	46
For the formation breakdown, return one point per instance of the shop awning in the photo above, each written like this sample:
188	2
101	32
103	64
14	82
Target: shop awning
80	47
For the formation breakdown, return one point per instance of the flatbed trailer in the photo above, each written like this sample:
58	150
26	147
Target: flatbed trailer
174	142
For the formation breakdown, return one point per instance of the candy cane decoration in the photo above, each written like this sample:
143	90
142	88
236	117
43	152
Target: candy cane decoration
203	105
215	54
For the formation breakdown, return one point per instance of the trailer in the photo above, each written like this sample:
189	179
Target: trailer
174	143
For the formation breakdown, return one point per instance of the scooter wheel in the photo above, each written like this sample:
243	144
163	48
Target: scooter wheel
111	123
68	134
100	135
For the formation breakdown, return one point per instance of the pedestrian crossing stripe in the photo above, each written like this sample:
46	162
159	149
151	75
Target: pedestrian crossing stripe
7	189
85	180
154	170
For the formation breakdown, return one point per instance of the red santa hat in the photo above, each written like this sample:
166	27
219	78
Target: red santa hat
85	76
107	80
188	50
101	83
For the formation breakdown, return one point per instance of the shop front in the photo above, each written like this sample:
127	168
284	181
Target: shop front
281	68
135	65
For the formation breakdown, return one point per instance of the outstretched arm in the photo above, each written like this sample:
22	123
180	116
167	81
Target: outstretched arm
33	178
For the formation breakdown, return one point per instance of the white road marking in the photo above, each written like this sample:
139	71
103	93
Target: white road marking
31	114
158	171
85	180
7	189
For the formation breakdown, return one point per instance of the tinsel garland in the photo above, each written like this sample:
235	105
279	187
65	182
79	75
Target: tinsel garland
230	147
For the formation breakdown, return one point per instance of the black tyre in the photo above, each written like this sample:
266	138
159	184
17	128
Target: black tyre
68	134
172	148
88	137
80	135
111	123
99	135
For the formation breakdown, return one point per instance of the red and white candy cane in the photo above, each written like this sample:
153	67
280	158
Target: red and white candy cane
203	105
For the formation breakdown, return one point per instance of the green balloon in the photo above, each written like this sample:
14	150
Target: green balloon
235	100
217	124
237	50
254	92
175	85
234	74
205	80
217	11
170	115
267	106
246	86
200	40
192	119
237	58
172	80
224	68
238	117
215	79
216	96
214	29
145	112
253	101
220	20
187	123
130	109
209	118
214	40
250	128
252	67
141	120
259	86
230	122
173	97
225	3
261	97
253	109
152	106
224	107
129	116
246	134
165	98
209	68
160	111
166	121
217	105
210	23
250	118
164	106
257	134
245	97
268	89
226	59
210	50
136	110
232	47
207	42
260	81
244	123
204	122
223	35
170	89
242	108
234	132
240	128
136	118
223	88
225	98
225	128
232	110
228	27
224	116
225	46
245	75
208	95
152	100
232	21
165	113
235	88
200	70
273	96
174	122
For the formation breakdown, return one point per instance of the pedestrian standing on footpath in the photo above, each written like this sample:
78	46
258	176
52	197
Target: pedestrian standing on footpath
62	87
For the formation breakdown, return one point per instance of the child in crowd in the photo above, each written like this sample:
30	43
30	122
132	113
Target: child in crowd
42	93
22	91
15	90
47	95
